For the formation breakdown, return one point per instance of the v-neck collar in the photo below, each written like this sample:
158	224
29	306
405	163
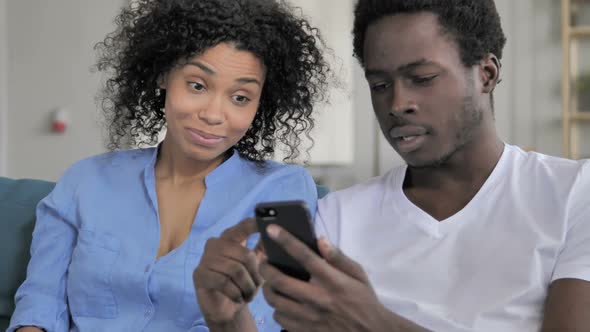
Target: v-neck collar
429	224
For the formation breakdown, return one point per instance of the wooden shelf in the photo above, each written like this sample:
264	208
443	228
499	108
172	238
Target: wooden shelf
570	67
580	116
580	31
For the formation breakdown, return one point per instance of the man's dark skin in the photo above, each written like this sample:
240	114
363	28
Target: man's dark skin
419	87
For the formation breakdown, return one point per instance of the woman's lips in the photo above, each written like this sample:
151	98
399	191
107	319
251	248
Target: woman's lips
200	137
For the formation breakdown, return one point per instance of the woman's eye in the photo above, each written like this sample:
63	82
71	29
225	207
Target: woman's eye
196	86
240	99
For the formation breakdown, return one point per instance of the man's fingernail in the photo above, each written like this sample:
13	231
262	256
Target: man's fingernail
273	231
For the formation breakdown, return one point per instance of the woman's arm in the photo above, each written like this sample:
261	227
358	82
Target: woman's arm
41	298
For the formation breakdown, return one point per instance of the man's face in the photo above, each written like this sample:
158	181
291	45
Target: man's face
425	99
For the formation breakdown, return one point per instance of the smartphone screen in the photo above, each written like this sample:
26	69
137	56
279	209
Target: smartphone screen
294	217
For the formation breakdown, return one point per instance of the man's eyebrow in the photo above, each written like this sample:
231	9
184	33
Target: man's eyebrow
403	68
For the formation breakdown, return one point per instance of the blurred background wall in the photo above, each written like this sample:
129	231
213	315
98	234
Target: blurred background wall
46	55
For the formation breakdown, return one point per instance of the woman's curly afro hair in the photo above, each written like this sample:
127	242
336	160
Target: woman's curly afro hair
153	36
473	24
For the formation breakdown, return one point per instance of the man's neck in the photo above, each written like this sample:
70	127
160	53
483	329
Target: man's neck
445	190
471	165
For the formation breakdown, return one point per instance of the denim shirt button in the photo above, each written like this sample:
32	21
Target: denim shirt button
260	321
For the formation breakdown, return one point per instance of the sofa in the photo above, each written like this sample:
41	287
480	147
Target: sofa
18	200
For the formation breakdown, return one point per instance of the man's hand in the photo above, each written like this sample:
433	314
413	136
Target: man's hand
337	298
227	278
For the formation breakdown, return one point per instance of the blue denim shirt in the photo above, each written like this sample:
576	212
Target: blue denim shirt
93	257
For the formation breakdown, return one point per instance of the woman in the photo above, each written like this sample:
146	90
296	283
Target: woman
116	242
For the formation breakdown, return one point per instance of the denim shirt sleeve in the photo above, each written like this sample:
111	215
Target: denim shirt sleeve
298	186
41	298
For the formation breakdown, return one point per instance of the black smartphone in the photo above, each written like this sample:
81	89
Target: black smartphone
294	217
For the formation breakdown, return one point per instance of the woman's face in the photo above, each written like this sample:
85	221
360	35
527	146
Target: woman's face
211	101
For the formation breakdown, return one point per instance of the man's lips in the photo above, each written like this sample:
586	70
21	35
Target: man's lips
409	131
408	138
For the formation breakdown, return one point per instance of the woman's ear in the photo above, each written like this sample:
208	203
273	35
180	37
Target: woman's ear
161	81
490	72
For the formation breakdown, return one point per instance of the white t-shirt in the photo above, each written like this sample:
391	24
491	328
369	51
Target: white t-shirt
486	268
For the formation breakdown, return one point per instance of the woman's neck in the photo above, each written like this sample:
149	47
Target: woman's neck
174	165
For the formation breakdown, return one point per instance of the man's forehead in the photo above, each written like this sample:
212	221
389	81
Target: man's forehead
395	41
423	23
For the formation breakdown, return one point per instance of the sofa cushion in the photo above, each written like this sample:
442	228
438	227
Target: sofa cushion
18	200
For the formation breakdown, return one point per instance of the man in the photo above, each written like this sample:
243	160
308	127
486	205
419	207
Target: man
472	235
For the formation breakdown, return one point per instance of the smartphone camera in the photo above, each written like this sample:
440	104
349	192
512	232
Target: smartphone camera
267	214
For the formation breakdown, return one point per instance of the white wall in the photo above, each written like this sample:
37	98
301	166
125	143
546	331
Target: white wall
49	58
48	53
334	121
3	82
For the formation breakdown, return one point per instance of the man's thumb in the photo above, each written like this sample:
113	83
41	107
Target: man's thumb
340	261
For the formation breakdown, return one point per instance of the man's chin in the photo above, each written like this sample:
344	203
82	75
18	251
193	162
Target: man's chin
425	162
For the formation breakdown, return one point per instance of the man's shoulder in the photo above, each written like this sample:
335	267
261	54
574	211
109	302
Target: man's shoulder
546	178
360	193
542	158
538	165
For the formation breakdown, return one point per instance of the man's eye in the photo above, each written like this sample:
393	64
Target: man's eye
379	87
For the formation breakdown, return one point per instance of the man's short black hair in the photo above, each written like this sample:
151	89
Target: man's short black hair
473	24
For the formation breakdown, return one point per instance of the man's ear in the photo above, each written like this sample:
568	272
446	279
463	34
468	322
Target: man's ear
490	72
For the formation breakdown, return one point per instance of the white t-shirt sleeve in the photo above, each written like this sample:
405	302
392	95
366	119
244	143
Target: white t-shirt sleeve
574	259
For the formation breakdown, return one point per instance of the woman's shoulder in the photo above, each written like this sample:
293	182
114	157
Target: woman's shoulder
274	169
114	161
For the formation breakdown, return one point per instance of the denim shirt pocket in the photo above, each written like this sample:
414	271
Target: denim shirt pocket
89	288
190	313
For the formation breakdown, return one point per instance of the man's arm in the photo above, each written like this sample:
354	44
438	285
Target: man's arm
568	306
